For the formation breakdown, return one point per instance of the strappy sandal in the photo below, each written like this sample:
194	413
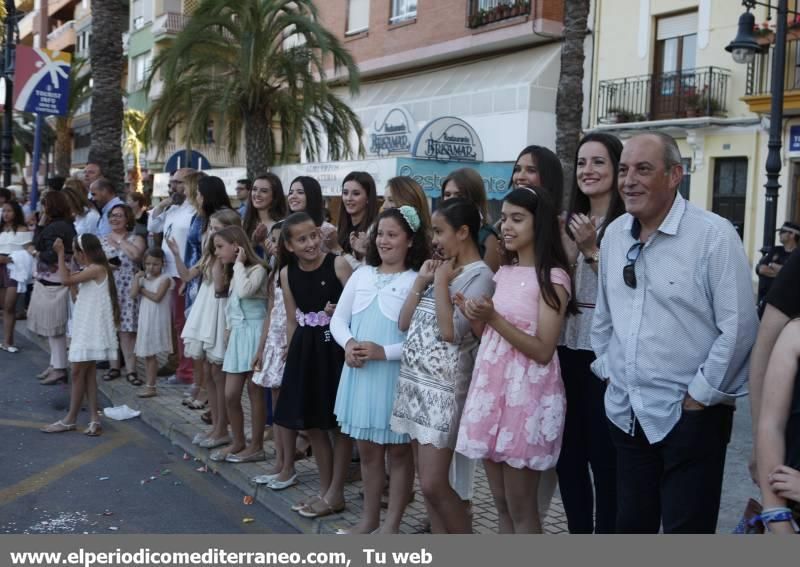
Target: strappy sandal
95	429
58	427
304	503
111	374
206	417
320	509
133	379
148	392
196	404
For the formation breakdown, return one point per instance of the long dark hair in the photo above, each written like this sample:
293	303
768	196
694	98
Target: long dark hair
460	212
19	217
278	209
90	245
215	197
579	202
314	204
345	222
420	244
548	250
56	206
284	256
551	173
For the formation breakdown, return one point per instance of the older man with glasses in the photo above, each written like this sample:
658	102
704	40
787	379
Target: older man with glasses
673	328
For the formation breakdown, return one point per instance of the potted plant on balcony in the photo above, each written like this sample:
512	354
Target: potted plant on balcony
708	105
618	115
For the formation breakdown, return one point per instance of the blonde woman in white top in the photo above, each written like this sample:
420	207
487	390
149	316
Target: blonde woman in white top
14	236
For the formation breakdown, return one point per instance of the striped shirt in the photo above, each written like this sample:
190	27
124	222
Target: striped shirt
688	325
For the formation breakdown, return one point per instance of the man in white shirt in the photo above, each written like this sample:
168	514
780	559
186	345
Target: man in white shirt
171	218
105	198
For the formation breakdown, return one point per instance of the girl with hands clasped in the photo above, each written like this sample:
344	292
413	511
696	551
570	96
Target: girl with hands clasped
365	324
312	283
437	359
513	418
155	331
778	443
95	319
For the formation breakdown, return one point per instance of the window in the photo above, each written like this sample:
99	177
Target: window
357	16
686	182
491	4
403	10
140	66
674	64
141	13
730	190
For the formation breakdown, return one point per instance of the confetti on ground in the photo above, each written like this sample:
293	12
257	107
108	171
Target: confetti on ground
108	513
204	468
186	457
113	528
103	478
177	483
248	520
247	500
165	472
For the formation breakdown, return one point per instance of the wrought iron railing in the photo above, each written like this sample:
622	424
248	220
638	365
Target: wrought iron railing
679	94
483	12
759	72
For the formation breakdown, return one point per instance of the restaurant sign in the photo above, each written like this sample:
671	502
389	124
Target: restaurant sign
448	139
392	133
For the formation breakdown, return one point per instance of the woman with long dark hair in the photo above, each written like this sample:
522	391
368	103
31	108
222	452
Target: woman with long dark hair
48	312
536	166
267	206
358	211
589	500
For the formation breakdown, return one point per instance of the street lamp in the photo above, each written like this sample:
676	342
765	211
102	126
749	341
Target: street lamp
744	48
8	102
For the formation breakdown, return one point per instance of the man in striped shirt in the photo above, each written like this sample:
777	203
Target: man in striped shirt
673	328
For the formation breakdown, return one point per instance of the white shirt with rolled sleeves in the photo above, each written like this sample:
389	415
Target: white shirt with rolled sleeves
173	223
360	292
689	324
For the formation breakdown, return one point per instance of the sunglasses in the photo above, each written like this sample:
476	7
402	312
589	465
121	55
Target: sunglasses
629	271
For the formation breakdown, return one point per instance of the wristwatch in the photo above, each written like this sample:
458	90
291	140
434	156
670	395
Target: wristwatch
594	258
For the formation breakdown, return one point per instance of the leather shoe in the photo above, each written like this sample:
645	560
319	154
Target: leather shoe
282	484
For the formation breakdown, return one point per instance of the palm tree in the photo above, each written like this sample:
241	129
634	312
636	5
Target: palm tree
79	92
133	124
105	53
569	100
261	66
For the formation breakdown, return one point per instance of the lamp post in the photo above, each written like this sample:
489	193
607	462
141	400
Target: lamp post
8	103
744	48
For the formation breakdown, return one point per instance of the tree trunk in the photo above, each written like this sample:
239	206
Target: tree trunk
63	146
569	100
105	53
258	144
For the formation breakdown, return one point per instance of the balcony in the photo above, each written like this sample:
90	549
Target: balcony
62	38
759	81
168	25
681	94
485	12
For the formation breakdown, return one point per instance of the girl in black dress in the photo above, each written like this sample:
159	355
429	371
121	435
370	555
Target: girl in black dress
312	283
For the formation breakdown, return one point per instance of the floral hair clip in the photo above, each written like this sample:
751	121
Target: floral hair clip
412	218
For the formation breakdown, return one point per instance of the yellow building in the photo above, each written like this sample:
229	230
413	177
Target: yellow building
662	65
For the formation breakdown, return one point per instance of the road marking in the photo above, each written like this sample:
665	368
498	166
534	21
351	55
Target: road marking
22	423
52	474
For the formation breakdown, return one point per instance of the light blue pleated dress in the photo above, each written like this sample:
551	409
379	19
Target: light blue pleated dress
365	396
245	318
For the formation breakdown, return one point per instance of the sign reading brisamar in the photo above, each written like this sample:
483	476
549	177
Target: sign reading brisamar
391	133
448	139
41	80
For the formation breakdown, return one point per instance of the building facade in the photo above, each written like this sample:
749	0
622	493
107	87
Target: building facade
666	68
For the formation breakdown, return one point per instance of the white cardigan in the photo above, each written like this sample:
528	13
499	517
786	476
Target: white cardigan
359	293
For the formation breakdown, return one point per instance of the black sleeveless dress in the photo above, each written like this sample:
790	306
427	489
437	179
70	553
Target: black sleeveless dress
314	359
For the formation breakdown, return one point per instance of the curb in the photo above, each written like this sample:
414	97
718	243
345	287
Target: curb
180	434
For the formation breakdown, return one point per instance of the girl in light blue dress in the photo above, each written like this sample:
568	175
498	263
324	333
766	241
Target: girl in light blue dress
365	324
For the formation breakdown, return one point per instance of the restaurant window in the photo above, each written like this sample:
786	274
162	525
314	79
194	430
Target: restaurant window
403	10
357	16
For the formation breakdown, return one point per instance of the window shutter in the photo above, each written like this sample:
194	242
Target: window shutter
357	16
677	26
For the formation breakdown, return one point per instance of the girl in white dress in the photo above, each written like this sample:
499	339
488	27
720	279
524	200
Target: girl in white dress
203	334
95	320
155	330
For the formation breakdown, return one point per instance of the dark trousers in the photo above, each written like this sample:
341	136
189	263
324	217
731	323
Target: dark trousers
677	482
590	499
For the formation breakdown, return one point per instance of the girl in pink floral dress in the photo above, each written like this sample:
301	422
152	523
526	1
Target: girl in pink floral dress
513	418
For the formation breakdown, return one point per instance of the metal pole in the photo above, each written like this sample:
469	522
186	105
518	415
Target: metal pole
8	103
37	158
775	129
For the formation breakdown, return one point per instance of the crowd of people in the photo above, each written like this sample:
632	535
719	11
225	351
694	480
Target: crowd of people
605	344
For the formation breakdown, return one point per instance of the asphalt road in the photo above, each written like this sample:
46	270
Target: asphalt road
129	480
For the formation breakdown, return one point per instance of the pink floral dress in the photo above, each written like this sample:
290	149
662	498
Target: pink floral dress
515	408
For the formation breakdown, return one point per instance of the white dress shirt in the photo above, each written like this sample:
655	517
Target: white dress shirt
688	325
173	223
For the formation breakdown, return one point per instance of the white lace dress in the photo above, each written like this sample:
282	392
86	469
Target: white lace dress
94	334
155	329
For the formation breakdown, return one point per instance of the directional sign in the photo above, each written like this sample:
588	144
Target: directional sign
41	80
